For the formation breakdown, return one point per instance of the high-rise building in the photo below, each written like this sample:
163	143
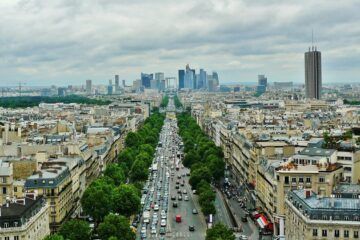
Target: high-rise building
215	78
117	83
123	83
189	78
181	78
262	80
146	80
88	86
159	76
313	80
110	88
201	83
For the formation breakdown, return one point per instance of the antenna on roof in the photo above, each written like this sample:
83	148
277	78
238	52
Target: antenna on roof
312	37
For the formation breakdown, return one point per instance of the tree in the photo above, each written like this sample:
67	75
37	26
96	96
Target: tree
208	208
75	230
126	200
115	226
139	171
147	148
219	232
96	200
116	173
54	237
132	140
216	166
198	174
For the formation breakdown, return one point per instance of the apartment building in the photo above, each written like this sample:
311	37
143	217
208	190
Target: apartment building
310	216
24	218
55	185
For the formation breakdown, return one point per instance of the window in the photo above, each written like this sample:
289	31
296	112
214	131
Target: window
301	179
4	190
321	179
356	234
15	189
324	233
16	237
3	179
346	233
7	238
293	180
6	225
308	180
336	233
315	233
286	180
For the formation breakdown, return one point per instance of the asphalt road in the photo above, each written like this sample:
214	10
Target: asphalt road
162	181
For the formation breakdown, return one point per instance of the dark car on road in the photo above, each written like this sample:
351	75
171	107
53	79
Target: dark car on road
191	228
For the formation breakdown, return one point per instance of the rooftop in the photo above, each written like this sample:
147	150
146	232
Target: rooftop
317	152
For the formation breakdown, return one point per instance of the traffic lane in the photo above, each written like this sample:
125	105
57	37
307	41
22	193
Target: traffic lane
222	214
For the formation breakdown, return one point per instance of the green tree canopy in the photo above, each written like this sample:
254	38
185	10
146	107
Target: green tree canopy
96	200
75	230
126	200
139	171
202	173
116	173
219	232
115	226
132	139
54	237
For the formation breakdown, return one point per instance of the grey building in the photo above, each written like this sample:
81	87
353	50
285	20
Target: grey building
88	86
262	80
313	80
181	78
117	83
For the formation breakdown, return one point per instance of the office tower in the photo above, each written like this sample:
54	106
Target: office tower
146	80
210	83
181	78
189	78
159	76
88	86
313	81
201	83
136	84
61	92
260	89
117	83
262	80
123	83
215	77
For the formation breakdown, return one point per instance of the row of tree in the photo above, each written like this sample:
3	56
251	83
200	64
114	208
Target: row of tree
114	197
32	101
165	101
177	102
204	159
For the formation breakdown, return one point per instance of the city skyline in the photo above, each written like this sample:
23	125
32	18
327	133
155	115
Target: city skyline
87	40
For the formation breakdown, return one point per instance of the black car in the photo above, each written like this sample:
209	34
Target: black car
244	219
191	228
175	204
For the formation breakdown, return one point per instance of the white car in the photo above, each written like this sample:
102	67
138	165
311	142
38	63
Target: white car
153	230
186	198
156	207
163	223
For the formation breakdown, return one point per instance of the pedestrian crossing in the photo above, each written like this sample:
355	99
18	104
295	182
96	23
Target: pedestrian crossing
173	235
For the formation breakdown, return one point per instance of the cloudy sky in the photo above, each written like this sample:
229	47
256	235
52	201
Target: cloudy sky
68	41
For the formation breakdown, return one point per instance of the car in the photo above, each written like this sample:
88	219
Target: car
243	237
194	211
153	230
156	207
163	223
175	204
177	187
162	231
191	228
173	197
186	198
184	191
179	191
179	197
244	219
194	191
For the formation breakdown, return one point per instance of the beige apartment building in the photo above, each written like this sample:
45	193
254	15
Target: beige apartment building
312	217
55	185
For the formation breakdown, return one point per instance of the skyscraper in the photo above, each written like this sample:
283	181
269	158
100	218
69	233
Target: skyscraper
88	86
262	80
181	78
117	83
146	80
201	83
313	80
189	78
159	76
